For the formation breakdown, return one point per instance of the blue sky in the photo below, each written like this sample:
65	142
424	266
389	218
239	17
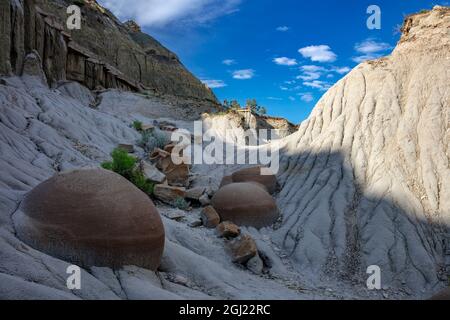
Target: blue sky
283	53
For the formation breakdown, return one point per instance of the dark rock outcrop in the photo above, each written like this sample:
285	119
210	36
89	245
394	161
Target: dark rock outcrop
92	218
104	54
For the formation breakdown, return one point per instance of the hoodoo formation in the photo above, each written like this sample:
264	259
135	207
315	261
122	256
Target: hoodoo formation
246	204
92	218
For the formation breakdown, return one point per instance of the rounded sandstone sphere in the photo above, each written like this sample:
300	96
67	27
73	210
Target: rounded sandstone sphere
92	217
253	174
245	204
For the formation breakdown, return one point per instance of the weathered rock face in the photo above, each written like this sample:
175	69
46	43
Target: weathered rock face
104	53
92	218
365	180
245	204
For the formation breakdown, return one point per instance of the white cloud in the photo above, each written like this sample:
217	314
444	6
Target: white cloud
214	84
370	49
284	88
292	98
283	28
307	97
244	74
274	98
341	70
163	12
283	61
371	46
311	72
317	84
307	76
312	68
320	53
229	62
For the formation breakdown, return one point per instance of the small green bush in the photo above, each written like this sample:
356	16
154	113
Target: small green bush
152	140
137	125
125	165
181	203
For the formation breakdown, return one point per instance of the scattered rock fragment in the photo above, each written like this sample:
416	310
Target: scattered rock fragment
196	223
255	265
168	194
152	173
174	214
243	249
228	230
126	147
204	200
147	127
195	193
176	174
209	217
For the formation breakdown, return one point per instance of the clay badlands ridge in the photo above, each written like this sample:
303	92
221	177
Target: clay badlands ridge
363	181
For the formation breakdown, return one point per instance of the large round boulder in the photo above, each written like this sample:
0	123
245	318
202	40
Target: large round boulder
253	174
92	217
246	204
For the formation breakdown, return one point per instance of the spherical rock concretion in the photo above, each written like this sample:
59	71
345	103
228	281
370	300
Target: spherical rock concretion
92	217
253	174
246	204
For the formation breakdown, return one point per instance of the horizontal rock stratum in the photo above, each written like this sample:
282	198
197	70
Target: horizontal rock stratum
103	53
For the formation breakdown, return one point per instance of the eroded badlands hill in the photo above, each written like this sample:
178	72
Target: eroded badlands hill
365	180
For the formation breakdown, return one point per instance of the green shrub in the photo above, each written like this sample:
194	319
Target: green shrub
181	203
152	140
137	125
141	182
125	165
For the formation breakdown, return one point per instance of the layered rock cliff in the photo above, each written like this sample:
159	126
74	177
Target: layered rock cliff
104	53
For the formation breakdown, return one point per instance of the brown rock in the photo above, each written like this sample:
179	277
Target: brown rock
228	230
126	147
177	175
209	217
254	175
195	193
245	204
255	265
243	249
226	181
147	127
92	218
204	200
152	173
442	295
168	193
